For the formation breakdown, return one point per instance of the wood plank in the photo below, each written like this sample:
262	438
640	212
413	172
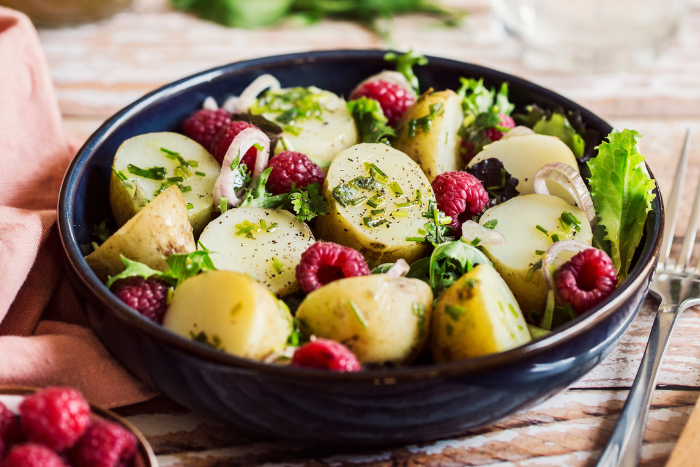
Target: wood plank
102	67
568	429
685	452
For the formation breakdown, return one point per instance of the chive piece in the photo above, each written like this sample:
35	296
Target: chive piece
185	189
193	163
422	232
120	175
259	147
539	252
374	212
369	222
476	241
491	224
399	214
419	197
358	314
277	264
415	239
569	220
223	205
376	201
201	174
535	267
154	173
190	206
396	189
407	205
512	310
542	229
358	200
344	194
263	225
169	299
555	238
446	220
176	179
273	227
455	311
169	152
379	171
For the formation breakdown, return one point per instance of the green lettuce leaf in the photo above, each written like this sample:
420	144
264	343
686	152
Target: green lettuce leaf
622	193
558	125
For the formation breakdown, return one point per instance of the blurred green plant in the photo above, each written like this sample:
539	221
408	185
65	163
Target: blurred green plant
260	13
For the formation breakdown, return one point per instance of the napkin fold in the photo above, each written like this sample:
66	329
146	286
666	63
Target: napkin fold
45	338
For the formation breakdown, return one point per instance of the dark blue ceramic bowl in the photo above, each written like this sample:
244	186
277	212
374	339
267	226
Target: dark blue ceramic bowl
411	404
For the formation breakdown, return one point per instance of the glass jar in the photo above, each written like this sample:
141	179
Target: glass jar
591	35
56	13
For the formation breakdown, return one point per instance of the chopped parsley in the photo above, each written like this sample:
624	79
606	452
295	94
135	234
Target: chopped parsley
249	229
374	222
371	123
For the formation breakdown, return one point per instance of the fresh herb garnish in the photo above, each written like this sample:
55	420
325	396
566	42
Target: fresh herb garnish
404	65
425	122
531	271
370	120
622	193
419	312
154	173
455	311
223	205
374	222
396	189
344	194
214	342
278	265
200	174
291	105
120	175
542	229
101	231
491	224
358	314
181	266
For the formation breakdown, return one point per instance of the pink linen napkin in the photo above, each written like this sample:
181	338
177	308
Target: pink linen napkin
44	336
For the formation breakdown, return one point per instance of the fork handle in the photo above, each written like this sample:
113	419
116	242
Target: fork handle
624	449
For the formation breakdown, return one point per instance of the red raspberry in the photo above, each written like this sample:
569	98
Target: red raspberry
292	167
586	279
460	196
32	455
202	125
10	430
393	99
325	262
224	138
56	417
148	297
494	134
105	444
326	354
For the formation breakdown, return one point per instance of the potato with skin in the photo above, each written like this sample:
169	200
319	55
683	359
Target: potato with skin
523	156
346	225
322	138
381	319
437	150
478	315
256	253
157	231
517	220
129	192
231	312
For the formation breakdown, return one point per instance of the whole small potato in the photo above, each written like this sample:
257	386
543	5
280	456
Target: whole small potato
523	156
518	219
478	315
437	149
154	233
401	218
381	319
231	312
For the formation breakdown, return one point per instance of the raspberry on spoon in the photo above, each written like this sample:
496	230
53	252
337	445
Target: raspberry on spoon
586	279
325	262
289	167
393	99
460	196
326	354
202	125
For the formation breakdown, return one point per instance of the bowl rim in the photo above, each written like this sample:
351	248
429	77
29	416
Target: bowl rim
144	446
569	331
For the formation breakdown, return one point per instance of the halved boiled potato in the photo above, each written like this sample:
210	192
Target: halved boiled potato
231	312
478	315
157	231
518	219
129	192
320	137
263	250
437	150
381	319
348	225
523	156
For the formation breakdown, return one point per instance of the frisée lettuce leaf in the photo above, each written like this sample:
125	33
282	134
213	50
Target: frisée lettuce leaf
622	192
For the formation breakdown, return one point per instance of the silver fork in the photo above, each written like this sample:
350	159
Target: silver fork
677	284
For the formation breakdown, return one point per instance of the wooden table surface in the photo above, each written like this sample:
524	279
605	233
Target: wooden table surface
100	68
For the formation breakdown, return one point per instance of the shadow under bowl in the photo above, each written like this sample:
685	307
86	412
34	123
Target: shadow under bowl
399	405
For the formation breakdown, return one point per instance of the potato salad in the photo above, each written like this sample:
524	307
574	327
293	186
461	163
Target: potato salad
388	226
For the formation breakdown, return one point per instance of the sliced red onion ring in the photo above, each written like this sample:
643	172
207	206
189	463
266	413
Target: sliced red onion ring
472	230
571	181
245	140
249	94
210	104
400	268
393	77
230	104
518	131
574	246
